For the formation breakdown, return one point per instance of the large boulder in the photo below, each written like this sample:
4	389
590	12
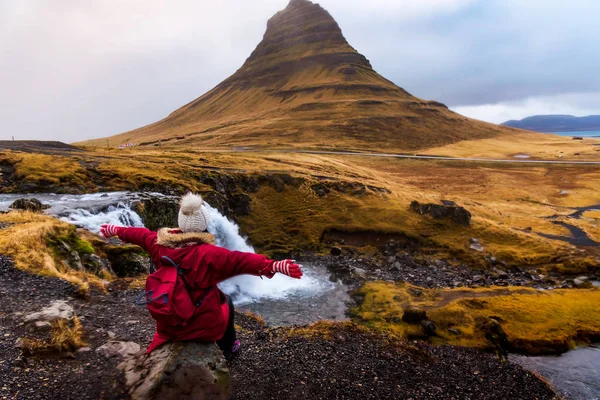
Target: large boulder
448	209
33	205
178	371
157	211
127	260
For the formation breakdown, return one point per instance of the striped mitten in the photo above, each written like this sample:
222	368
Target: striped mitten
287	267
109	231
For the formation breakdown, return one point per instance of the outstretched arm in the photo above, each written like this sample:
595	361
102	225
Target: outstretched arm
227	264
139	236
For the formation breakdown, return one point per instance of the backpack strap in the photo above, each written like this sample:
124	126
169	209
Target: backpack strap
173	263
149	299
180	272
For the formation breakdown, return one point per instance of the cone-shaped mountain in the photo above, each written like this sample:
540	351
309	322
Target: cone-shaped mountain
304	86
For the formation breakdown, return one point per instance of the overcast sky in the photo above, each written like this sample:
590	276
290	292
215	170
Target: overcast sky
78	69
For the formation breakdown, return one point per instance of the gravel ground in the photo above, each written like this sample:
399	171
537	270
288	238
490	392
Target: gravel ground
356	365
273	365
85	375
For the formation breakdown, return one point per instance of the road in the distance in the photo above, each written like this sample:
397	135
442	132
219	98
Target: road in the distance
410	156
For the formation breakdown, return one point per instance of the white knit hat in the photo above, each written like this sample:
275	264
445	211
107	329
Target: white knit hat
193	215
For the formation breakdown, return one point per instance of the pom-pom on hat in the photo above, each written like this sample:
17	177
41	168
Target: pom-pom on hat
193	215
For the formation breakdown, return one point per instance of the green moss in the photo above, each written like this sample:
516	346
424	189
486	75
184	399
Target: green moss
71	240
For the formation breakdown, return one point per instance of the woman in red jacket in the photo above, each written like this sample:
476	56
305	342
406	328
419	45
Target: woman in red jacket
191	248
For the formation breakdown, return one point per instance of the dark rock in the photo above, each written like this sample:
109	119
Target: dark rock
178	371
320	189
413	315
157	211
335	251
127	260
96	265
429	328
457	214
33	205
496	336
240	204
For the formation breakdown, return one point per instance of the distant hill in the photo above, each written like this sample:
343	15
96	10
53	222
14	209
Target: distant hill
304	86
557	123
37	146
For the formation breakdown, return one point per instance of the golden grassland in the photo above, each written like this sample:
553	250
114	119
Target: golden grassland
537	146
534	321
505	199
47	169
29	240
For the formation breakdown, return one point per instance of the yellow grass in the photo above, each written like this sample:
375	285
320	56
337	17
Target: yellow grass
26	241
66	335
534	321
48	169
544	146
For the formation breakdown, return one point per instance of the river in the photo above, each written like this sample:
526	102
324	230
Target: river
576	374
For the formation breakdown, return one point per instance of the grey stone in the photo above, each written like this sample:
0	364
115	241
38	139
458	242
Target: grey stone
476	246
43	325
119	349
33	205
75	261
582	282
180	370
359	272
84	349
59	309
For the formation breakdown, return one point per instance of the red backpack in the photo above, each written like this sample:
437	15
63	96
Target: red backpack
167	295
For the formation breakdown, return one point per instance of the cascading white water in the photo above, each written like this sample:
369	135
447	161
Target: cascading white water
245	288
93	210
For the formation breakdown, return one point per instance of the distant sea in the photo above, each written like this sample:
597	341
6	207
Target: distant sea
578	133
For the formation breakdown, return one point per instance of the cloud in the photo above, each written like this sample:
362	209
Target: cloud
72	70
578	104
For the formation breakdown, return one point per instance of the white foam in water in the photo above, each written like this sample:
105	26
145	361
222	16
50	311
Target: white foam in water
118	215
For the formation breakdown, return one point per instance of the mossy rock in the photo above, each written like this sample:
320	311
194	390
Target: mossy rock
127	260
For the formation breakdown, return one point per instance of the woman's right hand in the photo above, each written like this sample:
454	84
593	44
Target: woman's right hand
287	267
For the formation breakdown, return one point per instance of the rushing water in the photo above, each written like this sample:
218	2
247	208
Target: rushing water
280	300
575	374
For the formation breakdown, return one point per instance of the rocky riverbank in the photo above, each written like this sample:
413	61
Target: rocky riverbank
399	264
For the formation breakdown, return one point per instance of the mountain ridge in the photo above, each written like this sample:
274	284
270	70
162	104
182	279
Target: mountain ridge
556	123
305	86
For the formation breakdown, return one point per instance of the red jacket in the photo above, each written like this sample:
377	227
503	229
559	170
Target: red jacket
206	266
